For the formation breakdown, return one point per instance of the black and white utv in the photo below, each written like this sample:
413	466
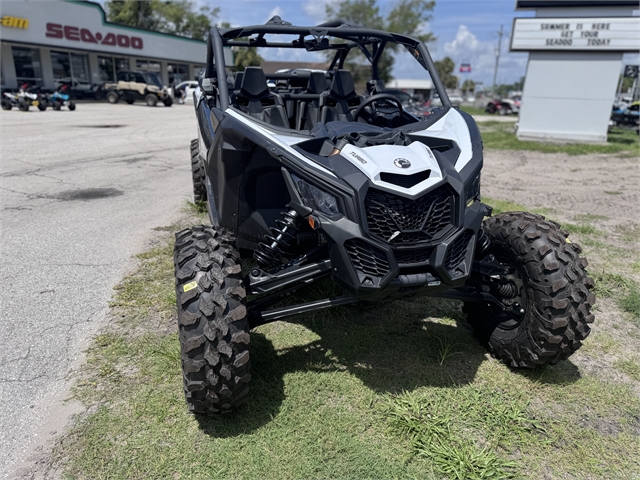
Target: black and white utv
308	180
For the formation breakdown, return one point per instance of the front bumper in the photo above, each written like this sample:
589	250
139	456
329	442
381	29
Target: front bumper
366	266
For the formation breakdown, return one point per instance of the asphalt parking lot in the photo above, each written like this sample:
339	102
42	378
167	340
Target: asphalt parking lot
80	194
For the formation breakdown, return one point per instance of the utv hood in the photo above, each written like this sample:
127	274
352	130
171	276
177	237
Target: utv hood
408	161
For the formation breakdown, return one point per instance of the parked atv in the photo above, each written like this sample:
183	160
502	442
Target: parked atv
627	116
22	100
132	86
61	98
310	181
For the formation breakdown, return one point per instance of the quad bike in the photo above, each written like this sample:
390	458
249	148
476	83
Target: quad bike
61	98
22	100
308	181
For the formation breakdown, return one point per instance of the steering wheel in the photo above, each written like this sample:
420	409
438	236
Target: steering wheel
387	97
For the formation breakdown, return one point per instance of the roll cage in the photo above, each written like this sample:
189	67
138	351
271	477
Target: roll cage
370	42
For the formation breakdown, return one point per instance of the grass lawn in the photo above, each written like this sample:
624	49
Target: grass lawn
472	110
499	135
397	390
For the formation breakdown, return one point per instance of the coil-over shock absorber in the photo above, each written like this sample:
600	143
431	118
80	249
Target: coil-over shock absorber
274	247
483	245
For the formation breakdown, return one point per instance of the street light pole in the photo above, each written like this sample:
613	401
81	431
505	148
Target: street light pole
495	71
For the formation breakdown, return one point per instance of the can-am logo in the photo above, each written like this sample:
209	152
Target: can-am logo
77	34
402	163
14	22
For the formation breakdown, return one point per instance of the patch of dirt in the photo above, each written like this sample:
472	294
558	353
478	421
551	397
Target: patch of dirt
605	190
594	184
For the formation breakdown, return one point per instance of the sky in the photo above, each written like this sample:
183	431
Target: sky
465	30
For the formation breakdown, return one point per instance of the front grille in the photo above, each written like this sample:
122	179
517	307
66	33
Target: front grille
366	258
457	250
412	257
417	220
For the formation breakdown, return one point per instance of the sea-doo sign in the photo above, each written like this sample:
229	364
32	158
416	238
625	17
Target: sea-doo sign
611	34
85	35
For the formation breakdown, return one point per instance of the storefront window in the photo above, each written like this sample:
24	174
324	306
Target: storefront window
197	69
110	67
71	68
61	67
27	64
122	64
148	66
106	72
177	73
80	68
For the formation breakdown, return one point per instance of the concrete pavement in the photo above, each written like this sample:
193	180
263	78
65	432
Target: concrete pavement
80	193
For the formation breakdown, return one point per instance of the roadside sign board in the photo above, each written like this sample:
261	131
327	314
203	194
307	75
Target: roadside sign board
610	34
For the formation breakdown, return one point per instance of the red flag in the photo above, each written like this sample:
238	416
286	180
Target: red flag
465	68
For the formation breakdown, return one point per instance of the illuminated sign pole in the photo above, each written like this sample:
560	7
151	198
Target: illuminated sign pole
575	56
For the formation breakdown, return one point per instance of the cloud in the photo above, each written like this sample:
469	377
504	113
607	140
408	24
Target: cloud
317	9
275	11
466	48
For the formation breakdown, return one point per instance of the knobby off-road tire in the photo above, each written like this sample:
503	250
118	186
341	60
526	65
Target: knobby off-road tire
212	320
6	105
556	287
72	106
168	101
113	97
197	173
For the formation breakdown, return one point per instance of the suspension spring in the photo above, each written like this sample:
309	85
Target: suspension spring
483	245
270	251
507	290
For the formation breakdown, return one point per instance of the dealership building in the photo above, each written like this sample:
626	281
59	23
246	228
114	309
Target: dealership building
48	43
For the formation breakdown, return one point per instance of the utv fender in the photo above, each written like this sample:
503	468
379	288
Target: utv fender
212	210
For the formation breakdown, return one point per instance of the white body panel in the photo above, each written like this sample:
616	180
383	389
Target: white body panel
378	159
372	161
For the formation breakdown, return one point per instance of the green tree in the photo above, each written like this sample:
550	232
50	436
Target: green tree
244	57
468	86
627	83
179	17
407	17
445	69
138	14
503	90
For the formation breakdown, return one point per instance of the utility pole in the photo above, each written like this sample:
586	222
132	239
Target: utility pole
495	71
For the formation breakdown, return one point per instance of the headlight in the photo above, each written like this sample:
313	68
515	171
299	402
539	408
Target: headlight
315	198
472	191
